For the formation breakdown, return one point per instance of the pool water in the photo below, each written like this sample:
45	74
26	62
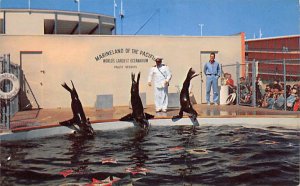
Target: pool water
170	155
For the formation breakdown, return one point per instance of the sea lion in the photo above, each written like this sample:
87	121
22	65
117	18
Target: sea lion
79	117
138	116
185	102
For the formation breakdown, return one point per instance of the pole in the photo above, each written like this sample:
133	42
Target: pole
238	83
121	16
253	84
284	82
115	5
201	25
78	5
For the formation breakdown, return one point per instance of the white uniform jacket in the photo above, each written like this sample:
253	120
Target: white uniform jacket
159	76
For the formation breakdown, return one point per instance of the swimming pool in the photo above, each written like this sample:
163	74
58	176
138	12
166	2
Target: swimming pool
167	155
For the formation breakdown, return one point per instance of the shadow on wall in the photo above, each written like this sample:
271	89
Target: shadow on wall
27	97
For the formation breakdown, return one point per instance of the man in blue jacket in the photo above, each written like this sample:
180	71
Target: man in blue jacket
212	72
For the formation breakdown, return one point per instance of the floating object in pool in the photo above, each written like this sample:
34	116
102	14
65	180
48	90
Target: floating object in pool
138	116
172	149
268	142
185	103
108	160
197	151
79	117
95	181
66	173
9	158
106	182
236	140
137	170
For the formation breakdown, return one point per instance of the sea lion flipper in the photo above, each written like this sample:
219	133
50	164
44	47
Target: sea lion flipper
179	116
194	76
72	84
128	117
148	116
138	77
66	87
68	122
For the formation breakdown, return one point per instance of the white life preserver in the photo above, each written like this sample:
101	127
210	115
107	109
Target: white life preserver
230	99
15	86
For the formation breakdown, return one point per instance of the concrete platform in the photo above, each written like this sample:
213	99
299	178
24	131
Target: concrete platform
25	120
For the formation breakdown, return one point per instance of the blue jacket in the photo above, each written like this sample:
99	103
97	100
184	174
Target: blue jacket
212	69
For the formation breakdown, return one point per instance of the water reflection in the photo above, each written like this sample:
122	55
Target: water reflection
139	154
177	155
189	137
79	146
213	111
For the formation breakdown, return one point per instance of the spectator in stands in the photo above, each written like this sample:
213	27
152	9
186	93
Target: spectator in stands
297	87
270	100
244	91
229	82
279	101
258	92
290	101
268	88
288	90
276	85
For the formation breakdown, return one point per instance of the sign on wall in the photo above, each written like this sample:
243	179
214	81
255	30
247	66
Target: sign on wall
109	58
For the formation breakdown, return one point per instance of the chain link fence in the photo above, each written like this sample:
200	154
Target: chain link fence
272	84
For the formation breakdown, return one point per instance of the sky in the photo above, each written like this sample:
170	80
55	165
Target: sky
182	17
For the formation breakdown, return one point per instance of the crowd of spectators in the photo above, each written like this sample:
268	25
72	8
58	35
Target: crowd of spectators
272	96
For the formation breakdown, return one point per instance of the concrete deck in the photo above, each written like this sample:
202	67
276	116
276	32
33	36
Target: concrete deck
43	118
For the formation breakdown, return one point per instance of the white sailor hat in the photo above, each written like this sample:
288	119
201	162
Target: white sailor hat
158	58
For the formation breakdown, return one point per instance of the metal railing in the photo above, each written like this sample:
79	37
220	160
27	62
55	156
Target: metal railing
272	84
8	106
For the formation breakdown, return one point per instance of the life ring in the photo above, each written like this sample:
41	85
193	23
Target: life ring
230	99
15	86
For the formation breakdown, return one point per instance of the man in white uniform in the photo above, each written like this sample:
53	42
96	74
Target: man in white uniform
161	76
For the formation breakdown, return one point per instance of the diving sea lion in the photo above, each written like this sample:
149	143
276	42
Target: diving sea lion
185	102
137	115
79	117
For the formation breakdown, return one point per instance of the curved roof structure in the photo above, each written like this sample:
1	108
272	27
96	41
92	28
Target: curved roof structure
39	22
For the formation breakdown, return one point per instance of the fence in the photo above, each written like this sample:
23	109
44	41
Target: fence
272	84
8	106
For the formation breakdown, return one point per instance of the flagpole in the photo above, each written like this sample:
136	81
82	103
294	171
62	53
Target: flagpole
29	4
115	5
122	17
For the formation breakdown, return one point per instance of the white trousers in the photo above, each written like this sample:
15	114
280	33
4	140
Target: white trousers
161	98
